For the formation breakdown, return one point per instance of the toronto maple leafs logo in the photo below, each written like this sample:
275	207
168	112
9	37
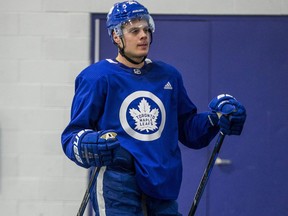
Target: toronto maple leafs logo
144	117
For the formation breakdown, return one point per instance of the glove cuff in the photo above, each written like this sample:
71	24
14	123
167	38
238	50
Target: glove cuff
76	148
213	119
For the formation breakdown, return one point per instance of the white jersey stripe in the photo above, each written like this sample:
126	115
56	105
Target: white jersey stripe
99	191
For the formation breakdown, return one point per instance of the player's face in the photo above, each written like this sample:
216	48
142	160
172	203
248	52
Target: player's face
137	38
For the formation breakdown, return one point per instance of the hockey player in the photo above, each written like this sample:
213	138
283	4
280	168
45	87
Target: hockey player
145	103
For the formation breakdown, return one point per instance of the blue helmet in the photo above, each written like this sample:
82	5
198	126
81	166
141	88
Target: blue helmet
124	12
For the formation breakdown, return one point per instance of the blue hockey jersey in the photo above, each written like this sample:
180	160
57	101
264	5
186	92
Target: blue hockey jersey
150	111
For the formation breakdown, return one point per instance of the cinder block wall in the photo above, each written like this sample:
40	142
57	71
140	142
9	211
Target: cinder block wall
44	44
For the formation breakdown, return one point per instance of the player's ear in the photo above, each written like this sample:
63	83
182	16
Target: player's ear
116	39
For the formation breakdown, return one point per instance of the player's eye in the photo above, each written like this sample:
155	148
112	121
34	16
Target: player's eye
134	30
146	29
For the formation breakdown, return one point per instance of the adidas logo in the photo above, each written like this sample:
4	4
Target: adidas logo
168	86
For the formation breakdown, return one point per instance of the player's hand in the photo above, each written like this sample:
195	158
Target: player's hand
95	148
231	114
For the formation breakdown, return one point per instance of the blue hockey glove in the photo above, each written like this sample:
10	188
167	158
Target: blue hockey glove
95	148
231	114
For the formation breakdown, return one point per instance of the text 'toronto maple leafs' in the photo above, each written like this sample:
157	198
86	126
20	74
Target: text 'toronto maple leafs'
144	117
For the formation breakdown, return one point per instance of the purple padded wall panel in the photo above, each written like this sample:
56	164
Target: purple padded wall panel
250	60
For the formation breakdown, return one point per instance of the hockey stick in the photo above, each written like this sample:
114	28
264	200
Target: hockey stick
206	174
87	193
92	179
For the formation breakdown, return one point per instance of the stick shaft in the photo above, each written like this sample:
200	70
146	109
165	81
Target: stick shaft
87	193
206	174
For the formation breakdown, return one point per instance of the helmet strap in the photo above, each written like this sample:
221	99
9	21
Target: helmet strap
122	52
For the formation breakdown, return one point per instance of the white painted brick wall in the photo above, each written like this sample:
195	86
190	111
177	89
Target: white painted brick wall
9	24
20	47
41	52
20	6
44	44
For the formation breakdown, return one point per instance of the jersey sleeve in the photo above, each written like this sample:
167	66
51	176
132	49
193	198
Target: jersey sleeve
86	108
195	129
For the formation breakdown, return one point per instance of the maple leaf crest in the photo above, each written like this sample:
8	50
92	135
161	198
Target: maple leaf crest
144	117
